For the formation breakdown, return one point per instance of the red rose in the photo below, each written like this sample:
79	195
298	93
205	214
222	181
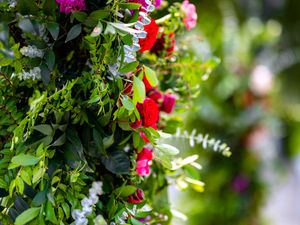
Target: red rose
149	112
137	197
168	103
164	45
155	95
148	42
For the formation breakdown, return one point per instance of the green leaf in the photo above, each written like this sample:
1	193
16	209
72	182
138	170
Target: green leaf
168	149
44	129
139	92
27	216
164	159
25	160
127	103
80	16
26	25
125	191
74	32
27	7
117	162
97	30
129	67
45	73
131	6
151	76
50	59
50	213
60	141
99	14
39	198
109	29
53	29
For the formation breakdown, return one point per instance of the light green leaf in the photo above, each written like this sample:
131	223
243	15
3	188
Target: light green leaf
125	191
139	92
127	103
168	149
97	30
131	6
25	160
151	76
27	216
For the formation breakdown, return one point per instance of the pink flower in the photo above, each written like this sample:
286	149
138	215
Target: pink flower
157	3
168	103
68	6
190	19
142	162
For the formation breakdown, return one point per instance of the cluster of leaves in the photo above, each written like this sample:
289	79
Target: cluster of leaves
60	134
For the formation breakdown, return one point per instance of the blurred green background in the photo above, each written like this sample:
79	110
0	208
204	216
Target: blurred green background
251	101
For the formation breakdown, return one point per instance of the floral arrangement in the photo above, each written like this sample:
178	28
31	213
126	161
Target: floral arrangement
87	88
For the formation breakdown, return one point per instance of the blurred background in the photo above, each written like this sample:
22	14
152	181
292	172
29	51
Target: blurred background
252	103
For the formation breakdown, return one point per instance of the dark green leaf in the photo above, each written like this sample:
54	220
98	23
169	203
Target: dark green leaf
117	162
44	129
74	32
50	59
80	16
99	14
60	141
27	7
20	204
39	198
45	73
53	29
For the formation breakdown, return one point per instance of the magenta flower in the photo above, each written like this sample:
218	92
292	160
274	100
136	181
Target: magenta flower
142	162
67	6
168	103
190	19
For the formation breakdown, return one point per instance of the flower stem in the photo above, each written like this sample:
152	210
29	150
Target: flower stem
163	19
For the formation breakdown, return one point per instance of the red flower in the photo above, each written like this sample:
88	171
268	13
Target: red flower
147	84
137	197
168	103
155	95
145	154
137	124
164	45
148	42
149	112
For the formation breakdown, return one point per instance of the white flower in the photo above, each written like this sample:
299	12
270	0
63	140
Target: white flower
32	52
